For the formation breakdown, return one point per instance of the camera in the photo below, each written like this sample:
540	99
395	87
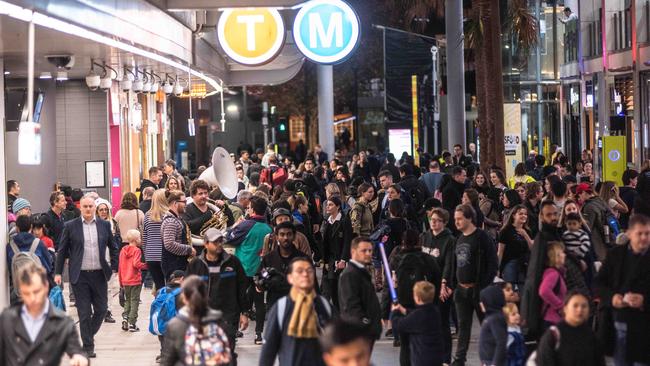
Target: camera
61	61
267	276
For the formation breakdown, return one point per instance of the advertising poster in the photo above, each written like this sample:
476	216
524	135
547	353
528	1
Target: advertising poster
512	136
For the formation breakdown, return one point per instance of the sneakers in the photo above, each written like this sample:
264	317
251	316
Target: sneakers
133	328
258	338
239	334
109	318
389	333
125	325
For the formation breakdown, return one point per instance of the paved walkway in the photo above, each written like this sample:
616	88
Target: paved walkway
116	347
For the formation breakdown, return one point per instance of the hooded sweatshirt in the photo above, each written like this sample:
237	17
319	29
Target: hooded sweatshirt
440	247
494	330
131	266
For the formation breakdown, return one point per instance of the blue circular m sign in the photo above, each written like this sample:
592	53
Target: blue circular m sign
326	31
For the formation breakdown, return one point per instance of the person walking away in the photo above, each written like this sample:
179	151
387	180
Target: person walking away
248	239
594	210
492	341
152	237
194	336
130	275
520	176
292	331
439	243
553	287
452	193
165	306
422	326
84	242
623	285
433	178
516	345
147	195
227	284
357	297
343	342
474	267
337	235
175	236
129	217
35	332
571	342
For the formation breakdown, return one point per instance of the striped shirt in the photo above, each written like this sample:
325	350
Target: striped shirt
171	229
152	239
577	242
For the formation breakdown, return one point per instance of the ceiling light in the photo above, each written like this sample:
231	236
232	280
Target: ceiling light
232	108
7	72
45	75
61	75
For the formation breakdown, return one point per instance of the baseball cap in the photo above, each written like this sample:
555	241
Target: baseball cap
584	187
176	274
212	235
19	204
280	212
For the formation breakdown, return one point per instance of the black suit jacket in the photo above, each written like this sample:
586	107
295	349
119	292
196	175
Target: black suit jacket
72	246
358	300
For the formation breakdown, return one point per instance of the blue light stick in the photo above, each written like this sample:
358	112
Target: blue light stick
389	277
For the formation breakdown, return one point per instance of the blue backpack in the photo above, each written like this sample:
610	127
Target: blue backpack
163	309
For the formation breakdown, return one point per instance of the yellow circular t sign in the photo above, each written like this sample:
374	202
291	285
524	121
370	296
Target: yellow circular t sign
251	36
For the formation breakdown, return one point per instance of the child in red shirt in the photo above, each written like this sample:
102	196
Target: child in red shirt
130	275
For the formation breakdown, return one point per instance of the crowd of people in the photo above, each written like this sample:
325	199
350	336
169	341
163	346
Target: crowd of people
328	255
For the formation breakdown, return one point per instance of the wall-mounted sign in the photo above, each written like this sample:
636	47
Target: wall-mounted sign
95	174
251	36
326	31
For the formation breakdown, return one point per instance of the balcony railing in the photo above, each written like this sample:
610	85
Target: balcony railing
622	22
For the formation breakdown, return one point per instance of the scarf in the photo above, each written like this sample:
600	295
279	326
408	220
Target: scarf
303	322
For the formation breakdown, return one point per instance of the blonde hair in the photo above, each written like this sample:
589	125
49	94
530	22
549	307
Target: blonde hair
510	309
332	189
133	235
551	253
425	291
159	206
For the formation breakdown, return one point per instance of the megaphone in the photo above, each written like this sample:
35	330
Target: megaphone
222	173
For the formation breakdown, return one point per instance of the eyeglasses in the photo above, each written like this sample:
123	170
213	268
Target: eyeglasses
436	220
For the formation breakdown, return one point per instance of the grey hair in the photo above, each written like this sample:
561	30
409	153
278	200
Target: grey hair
244	195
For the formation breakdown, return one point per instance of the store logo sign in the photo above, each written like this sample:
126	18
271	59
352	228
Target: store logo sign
326	31
251	36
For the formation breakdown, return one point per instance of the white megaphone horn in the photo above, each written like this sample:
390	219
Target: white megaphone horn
222	173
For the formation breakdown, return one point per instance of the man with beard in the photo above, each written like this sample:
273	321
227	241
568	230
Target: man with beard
198	212
175	236
227	284
531	302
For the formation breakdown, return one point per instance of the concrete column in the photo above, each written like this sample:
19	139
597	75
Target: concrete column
326	109
455	73
4	271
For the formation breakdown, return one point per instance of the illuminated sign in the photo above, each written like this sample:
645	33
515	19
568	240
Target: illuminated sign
251	36
326	31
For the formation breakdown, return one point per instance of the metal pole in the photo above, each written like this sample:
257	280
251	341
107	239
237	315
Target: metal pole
326	109
455	73
538	79
30	73
4	274
265	123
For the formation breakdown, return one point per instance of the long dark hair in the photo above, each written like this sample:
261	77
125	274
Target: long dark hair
195	292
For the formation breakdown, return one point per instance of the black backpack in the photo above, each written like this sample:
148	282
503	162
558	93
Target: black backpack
411	269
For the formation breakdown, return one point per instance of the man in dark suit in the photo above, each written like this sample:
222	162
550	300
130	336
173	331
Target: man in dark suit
357	297
84	241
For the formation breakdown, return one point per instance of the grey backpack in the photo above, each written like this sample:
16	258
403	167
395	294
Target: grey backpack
21	258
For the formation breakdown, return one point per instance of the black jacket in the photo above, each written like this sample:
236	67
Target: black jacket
227	283
55	225
145	206
336	240
424	329
278	288
487	263
452	196
358	300
72	246
58	335
577	346
611	280
146	183
494	330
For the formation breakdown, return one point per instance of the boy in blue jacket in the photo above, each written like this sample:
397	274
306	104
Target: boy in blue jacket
493	338
422	325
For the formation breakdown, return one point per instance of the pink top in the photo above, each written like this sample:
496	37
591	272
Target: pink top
552	301
127	220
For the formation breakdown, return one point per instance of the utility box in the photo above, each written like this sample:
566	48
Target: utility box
614	158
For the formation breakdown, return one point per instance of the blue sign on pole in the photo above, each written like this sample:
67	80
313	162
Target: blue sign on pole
326	31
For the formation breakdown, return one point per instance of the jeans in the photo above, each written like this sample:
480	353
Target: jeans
621	344
257	298
512	272
91	290
132	297
467	302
